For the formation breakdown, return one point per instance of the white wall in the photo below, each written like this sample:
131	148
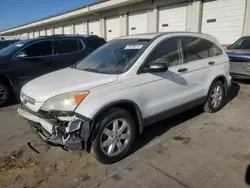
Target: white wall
147	17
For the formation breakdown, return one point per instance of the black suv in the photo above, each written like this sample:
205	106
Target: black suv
28	59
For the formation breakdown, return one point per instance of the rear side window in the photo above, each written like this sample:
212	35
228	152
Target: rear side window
43	48
66	46
196	49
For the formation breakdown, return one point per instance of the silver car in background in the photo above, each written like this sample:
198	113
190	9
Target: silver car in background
239	55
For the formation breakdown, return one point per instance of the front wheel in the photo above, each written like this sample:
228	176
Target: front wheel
116	136
216	97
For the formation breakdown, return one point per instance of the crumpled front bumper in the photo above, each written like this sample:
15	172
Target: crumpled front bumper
71	134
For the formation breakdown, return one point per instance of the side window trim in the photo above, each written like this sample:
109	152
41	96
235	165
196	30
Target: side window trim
164	40
77	39
14	56
83	45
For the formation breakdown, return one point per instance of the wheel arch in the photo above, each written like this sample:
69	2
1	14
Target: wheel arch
221	78
128	105
6	80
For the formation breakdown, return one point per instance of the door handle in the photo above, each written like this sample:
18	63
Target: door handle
211	62
182	70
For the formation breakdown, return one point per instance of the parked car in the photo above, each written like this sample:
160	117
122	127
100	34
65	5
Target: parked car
6	43
239	55
28	59
128	83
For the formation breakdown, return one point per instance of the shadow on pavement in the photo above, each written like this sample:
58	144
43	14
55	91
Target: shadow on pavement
232	92
156	130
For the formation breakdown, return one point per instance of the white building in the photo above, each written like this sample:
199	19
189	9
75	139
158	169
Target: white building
227	20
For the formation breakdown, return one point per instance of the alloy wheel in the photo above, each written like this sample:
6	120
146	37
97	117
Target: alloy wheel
216	96
115	137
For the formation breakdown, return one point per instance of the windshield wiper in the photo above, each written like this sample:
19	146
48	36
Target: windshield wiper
93	70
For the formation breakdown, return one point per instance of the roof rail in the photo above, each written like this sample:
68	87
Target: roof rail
55	35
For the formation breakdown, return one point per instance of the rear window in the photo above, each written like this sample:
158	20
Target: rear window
66	46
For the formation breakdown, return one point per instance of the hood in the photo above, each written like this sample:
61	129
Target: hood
65	81
238	52
3	59
239	55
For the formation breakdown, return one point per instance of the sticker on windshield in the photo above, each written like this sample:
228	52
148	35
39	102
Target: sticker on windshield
19	45
133	47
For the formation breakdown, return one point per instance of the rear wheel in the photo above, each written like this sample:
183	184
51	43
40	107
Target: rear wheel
4	94
116	136
216	97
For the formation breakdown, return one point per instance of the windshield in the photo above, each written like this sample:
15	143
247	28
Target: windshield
242	43
115	57
13	47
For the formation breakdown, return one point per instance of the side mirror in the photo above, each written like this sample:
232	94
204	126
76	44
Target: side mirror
156	67
21	54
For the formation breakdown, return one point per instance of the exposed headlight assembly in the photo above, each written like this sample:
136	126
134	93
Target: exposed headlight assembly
64	102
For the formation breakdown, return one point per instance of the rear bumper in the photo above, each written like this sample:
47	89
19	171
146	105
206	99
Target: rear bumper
71	135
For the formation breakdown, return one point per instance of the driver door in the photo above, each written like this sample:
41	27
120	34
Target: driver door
32	61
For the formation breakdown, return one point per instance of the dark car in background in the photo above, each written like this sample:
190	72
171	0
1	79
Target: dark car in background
239	55
6	43
31	58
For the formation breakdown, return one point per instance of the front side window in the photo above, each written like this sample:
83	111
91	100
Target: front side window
43	48
115	57
168	52
241	44
196	49
66	46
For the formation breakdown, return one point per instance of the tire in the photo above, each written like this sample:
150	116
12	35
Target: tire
107	121
210	106
4	94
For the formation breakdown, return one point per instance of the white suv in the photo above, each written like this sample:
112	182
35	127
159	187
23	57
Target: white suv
103	102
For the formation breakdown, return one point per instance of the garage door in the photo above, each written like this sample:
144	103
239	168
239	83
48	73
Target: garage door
24	34
138	22
49	32
112	28
172	19
68	29
36	34
42	33
58	30
94	28
224	19
80	29
31	35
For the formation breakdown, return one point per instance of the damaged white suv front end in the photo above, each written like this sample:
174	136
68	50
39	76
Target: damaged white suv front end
52	113
55	127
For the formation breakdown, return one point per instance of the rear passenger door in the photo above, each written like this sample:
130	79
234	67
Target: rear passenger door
200	56
67	52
